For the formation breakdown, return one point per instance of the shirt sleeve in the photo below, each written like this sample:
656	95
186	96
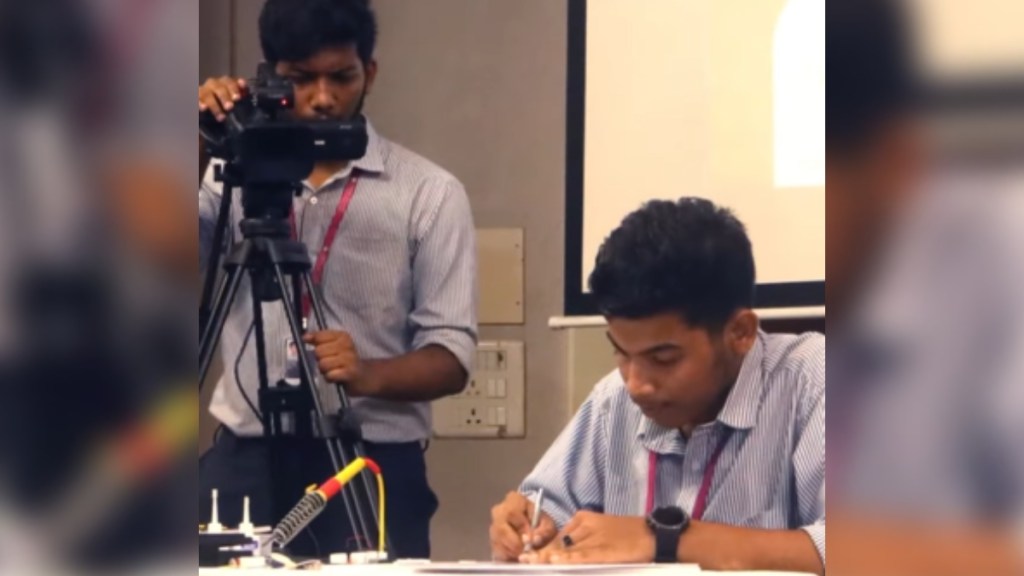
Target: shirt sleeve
444	276
209	208
809	467
572	472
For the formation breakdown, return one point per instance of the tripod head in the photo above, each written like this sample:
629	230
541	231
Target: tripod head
267	153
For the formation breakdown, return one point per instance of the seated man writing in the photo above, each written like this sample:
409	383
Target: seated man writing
707	445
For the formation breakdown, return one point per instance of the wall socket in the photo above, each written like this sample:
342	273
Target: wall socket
493	403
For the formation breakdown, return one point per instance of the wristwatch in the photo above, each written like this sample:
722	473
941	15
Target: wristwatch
667	524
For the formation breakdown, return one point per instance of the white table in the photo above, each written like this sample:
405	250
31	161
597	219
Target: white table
484	568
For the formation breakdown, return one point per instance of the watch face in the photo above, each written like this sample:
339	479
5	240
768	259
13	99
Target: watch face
670	516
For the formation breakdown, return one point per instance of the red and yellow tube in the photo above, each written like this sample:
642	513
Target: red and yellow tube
333	485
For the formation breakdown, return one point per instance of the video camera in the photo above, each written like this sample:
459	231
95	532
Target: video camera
265	148
267	153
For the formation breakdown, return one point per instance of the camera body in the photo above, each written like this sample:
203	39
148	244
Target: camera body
266	151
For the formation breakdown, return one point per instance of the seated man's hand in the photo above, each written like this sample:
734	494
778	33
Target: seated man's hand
510	528
339	362
592	538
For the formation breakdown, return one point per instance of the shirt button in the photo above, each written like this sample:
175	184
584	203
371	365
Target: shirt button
696	465
313	200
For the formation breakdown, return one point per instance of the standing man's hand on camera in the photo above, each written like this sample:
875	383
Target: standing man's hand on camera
339	362
218	95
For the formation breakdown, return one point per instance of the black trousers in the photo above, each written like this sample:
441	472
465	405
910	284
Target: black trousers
239	467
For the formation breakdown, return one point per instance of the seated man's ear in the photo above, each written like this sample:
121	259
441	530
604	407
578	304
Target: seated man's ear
741	331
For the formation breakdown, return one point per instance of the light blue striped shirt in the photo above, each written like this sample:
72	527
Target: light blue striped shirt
401	276
771	473
930	409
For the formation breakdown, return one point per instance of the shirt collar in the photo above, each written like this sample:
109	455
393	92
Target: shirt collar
739	413
373	160
741	407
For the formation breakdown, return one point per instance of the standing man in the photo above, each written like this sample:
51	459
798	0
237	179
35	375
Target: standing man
398	287
707	445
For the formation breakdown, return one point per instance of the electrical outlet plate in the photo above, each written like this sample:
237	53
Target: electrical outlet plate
493	403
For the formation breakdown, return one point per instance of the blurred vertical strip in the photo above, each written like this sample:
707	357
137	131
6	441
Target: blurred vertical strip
925	206
98	273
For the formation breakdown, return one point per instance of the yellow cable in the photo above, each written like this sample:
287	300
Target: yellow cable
380	493
346	475
349	472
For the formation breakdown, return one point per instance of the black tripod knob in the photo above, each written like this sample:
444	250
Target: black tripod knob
344	425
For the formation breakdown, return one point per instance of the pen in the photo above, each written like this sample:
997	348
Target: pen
535	521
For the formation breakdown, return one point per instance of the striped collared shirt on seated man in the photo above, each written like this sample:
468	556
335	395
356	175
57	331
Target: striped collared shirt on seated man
770	474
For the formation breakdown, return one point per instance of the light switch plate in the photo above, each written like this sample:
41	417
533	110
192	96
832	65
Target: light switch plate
501	262
493	403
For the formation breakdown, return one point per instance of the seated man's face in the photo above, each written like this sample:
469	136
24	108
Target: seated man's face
330	85
678	375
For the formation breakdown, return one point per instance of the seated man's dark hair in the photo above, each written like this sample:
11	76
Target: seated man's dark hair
689	257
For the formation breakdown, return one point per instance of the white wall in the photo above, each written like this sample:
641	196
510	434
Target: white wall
681	101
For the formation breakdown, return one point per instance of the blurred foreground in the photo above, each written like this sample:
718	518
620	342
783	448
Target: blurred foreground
97	279
925	260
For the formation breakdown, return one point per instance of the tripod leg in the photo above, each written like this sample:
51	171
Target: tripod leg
368	488
261	341
214	256
226	295
338	458
273	427
321	321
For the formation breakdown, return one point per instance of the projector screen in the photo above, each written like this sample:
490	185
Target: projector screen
723	99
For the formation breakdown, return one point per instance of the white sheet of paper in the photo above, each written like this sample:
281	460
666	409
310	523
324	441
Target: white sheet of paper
498	569
579	569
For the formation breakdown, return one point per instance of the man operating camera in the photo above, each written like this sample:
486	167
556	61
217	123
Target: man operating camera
395	236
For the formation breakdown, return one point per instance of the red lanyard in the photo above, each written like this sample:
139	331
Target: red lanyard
705	486
332	232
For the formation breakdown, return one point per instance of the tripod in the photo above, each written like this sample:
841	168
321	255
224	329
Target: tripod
276	264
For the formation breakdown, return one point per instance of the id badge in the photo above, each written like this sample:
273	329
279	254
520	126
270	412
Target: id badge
292	370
